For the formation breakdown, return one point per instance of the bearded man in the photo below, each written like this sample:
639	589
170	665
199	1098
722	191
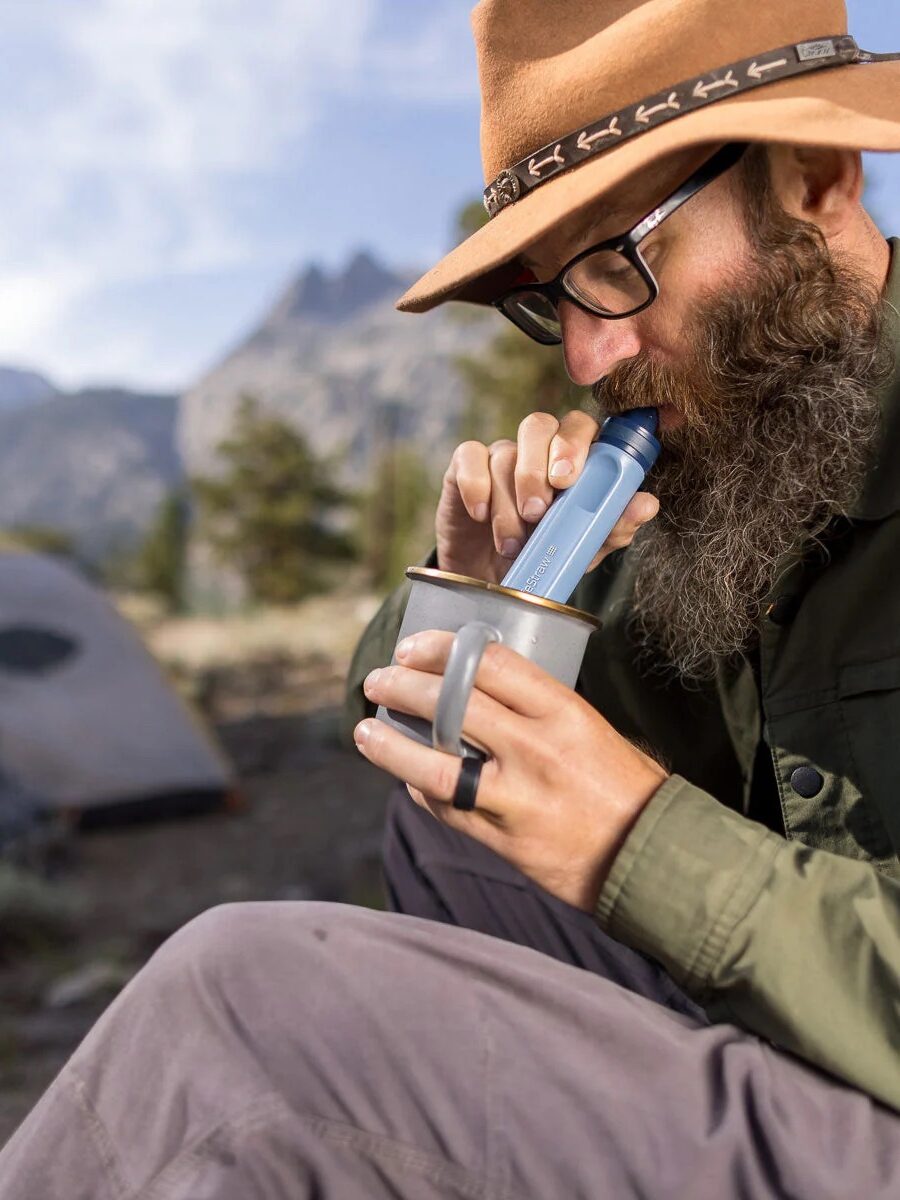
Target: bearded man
674	971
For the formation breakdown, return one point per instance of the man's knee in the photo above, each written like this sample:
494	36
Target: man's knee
232	953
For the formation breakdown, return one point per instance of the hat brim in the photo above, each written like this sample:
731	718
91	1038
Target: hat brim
853	107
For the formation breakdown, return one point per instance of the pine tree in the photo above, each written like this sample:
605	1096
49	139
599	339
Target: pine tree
161	558
515	376
271	513
396	515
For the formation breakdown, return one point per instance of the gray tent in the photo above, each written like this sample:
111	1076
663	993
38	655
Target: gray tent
88	721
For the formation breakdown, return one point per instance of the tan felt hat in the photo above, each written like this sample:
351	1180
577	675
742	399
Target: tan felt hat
579	95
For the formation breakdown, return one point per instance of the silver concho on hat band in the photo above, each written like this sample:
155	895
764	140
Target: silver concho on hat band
505	190
674	102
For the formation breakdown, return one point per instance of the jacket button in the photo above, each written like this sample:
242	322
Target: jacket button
783	610
807	782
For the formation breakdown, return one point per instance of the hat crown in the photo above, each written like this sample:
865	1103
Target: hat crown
548	66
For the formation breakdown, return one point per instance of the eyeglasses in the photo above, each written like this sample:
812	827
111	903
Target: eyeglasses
611	279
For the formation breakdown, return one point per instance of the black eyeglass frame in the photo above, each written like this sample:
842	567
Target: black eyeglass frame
628	245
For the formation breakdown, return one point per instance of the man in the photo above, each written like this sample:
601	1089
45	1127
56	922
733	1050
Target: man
740	863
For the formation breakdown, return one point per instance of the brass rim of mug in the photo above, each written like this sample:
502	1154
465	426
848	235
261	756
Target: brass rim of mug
566	609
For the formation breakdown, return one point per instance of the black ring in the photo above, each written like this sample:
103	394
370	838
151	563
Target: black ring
467	784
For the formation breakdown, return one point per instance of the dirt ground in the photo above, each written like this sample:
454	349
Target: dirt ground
307	826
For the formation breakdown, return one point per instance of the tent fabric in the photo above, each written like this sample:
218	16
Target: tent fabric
87	718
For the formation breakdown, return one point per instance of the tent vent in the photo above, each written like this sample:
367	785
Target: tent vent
31	651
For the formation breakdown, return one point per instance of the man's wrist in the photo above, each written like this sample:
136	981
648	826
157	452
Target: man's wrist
688	870
632	846
643	795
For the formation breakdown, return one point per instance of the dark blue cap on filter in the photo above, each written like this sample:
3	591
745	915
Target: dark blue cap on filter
634	432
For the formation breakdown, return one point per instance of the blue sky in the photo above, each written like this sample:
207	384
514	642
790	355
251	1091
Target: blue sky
169	164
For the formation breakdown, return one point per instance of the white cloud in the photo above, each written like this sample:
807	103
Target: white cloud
186	86
432	63
31	302
121	137
129	127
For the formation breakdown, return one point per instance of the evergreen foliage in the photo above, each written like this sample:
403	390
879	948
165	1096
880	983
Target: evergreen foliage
40	539
396	515
515	376
271	514
161	559
470	219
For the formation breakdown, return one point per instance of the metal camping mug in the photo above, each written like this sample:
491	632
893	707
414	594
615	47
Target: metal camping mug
552	635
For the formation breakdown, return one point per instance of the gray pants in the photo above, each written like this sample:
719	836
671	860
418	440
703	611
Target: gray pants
282	1051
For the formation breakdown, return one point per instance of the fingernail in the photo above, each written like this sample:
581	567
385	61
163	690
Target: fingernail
481	512
561	468
371	680
361	733
405	647
510	547
534	509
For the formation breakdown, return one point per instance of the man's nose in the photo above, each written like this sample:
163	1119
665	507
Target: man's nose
593	346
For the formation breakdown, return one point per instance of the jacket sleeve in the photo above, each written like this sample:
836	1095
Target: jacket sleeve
800	946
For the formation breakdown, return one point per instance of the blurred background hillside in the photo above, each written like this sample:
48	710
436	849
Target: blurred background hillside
211	412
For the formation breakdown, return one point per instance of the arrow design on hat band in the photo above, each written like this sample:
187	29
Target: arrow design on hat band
704	90
645	115
671	104
587	143
535	167
757	70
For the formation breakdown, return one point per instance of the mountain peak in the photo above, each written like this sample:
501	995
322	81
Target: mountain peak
21	389
318	295
364	265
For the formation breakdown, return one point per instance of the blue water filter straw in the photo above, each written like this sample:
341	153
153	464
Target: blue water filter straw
580	519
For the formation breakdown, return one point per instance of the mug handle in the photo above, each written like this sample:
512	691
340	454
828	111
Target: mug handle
468	647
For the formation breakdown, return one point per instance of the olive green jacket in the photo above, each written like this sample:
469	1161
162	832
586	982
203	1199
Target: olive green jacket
764	873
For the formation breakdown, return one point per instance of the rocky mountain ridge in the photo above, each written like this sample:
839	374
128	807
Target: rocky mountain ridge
21	389
335	357
93	464
331	354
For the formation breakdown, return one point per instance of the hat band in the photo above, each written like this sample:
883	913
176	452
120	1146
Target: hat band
677	101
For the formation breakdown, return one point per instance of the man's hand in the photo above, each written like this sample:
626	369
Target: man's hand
562	788
493	496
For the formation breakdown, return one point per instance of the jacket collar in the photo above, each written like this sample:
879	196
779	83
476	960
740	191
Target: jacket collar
881	495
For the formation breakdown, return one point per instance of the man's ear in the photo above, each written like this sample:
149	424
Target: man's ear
818	184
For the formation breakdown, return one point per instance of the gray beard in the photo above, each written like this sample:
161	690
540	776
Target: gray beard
782	407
